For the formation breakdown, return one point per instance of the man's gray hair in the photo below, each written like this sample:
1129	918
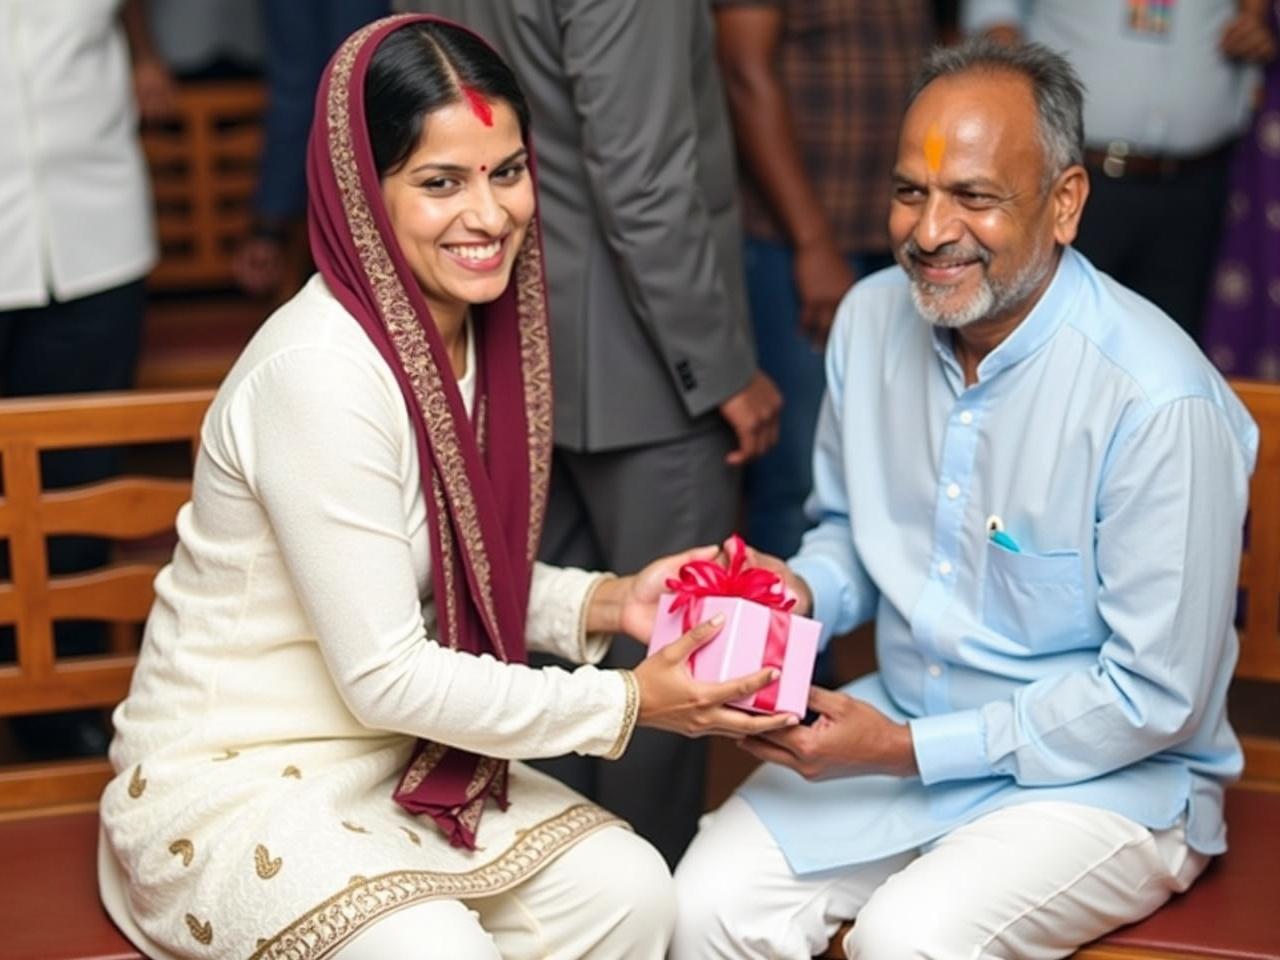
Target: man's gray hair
1058	92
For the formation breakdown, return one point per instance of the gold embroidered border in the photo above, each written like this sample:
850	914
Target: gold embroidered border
535	362
330	923
630	713
469	816
418	770
402	323
481	776
482	421
451	625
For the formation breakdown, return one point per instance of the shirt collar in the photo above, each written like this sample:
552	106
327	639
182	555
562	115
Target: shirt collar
1035	330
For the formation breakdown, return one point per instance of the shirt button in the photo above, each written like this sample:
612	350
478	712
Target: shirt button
935	671
953	491
966	418
944	567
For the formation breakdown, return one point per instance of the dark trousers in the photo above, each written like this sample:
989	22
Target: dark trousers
77	346
618	510
1159	237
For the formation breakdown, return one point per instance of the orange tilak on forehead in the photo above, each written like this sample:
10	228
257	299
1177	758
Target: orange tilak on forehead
935	148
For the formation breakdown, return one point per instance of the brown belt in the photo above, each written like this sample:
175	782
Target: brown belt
1118	163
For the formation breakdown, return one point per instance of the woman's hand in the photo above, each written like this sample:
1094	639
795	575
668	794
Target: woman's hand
671	699
630	604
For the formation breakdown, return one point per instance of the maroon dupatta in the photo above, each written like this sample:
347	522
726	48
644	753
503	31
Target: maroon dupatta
485	498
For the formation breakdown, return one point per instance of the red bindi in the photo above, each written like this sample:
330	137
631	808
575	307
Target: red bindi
483	168
479	105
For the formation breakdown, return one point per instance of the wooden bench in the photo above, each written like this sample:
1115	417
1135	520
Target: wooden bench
49	907
1233	911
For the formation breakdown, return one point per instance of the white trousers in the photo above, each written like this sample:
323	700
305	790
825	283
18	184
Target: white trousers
609	897
1028	882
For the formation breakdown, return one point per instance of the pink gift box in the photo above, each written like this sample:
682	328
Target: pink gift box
739	649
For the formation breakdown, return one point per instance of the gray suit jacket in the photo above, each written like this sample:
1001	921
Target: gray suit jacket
636	198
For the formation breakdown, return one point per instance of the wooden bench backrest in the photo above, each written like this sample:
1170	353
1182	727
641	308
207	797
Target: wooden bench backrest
125	508
204	169
1260	576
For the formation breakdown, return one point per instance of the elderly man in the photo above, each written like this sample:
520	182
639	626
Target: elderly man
1035	483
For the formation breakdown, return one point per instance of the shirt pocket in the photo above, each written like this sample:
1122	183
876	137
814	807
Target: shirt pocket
1036	601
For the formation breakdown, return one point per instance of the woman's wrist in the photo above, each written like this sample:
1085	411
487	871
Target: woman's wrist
630	715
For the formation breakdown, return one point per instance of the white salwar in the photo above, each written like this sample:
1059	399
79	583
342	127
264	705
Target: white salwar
1032	881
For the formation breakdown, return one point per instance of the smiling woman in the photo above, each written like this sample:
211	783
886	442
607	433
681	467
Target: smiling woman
460	206
332	701
455	182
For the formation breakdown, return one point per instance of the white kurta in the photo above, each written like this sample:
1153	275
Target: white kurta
289	665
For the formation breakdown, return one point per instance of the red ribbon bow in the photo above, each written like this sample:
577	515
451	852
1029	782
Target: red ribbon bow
707	578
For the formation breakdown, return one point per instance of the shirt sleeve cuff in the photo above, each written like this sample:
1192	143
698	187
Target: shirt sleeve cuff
826	586
950	746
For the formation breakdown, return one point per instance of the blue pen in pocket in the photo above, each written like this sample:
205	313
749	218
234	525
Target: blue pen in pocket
996	534
1006	541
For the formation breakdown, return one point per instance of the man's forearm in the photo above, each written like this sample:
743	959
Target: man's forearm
138	31
766	133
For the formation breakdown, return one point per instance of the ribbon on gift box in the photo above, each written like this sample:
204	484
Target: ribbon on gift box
699	579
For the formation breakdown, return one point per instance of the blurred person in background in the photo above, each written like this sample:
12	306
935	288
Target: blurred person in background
208	39
299	39
815	91
1170	85
1242	326
76	217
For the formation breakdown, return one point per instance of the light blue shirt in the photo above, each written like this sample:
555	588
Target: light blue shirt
1170	92
1092	665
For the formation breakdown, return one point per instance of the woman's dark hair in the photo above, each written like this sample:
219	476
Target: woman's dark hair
421	68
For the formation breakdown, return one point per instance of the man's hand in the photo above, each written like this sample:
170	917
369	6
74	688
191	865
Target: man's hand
795	585
752	412
258	265
1248	37
155	89
630	604
822	279
850	738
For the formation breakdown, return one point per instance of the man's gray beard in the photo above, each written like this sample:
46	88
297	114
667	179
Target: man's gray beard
991	298
979	306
